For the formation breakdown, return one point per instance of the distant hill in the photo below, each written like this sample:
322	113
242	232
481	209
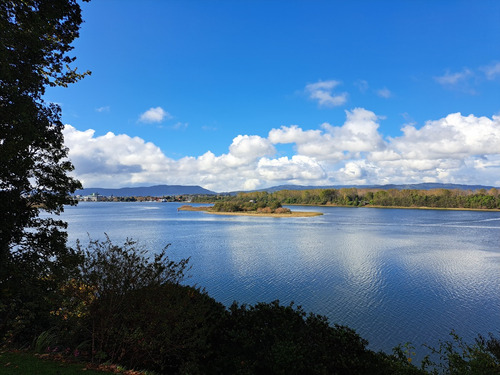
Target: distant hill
147	191
422	186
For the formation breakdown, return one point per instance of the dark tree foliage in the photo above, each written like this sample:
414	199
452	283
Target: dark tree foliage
169	328
133	309
35	39
270	338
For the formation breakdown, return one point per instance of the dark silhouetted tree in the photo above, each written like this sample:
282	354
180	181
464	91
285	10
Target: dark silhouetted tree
35	39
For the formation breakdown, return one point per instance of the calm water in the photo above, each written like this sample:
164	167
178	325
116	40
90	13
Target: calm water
392	275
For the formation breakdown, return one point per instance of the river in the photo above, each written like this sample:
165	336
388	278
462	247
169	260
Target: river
394	275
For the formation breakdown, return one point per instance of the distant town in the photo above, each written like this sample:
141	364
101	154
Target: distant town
96	197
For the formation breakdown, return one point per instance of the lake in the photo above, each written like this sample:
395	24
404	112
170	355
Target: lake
394	275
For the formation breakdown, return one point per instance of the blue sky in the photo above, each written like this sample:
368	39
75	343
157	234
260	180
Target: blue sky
248	94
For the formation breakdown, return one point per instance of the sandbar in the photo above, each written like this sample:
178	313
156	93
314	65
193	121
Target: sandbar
250	213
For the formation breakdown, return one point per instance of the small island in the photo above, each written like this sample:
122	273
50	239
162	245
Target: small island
250	208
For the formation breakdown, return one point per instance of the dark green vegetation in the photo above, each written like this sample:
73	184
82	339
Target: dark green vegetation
262	206
436	198
21	363
35	38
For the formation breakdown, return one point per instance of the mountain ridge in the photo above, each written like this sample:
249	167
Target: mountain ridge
143	191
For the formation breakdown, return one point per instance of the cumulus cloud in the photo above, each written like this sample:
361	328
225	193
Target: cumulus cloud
117	160
453	137
250	147
297	168
453	149
112	160
333	143
359	133
322	91
457	148
152	115
354	172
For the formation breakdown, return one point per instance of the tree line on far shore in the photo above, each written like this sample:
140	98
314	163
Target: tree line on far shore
434	198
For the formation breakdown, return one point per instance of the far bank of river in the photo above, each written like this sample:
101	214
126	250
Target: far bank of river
400	207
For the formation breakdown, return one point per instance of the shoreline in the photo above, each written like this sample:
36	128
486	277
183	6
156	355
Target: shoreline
400	207
252	213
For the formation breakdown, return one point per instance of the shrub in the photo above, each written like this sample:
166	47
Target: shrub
226	207
93	302
264	210
282	210
458	357
270	338
166	328
28	294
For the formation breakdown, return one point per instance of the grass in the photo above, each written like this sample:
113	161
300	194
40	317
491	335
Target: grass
17	363
26	363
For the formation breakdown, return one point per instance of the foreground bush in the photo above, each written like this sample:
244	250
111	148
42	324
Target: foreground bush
30	291
456	357
167	328
270	338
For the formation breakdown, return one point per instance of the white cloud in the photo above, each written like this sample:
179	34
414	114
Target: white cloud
354	172
362	85
456	149
298	168
180	126
451	79
322	91
492	71
293	134
384	93
469	79
103	109
251	184
460	81
119	160
453	137
358	134
250	147
157	114
113	160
